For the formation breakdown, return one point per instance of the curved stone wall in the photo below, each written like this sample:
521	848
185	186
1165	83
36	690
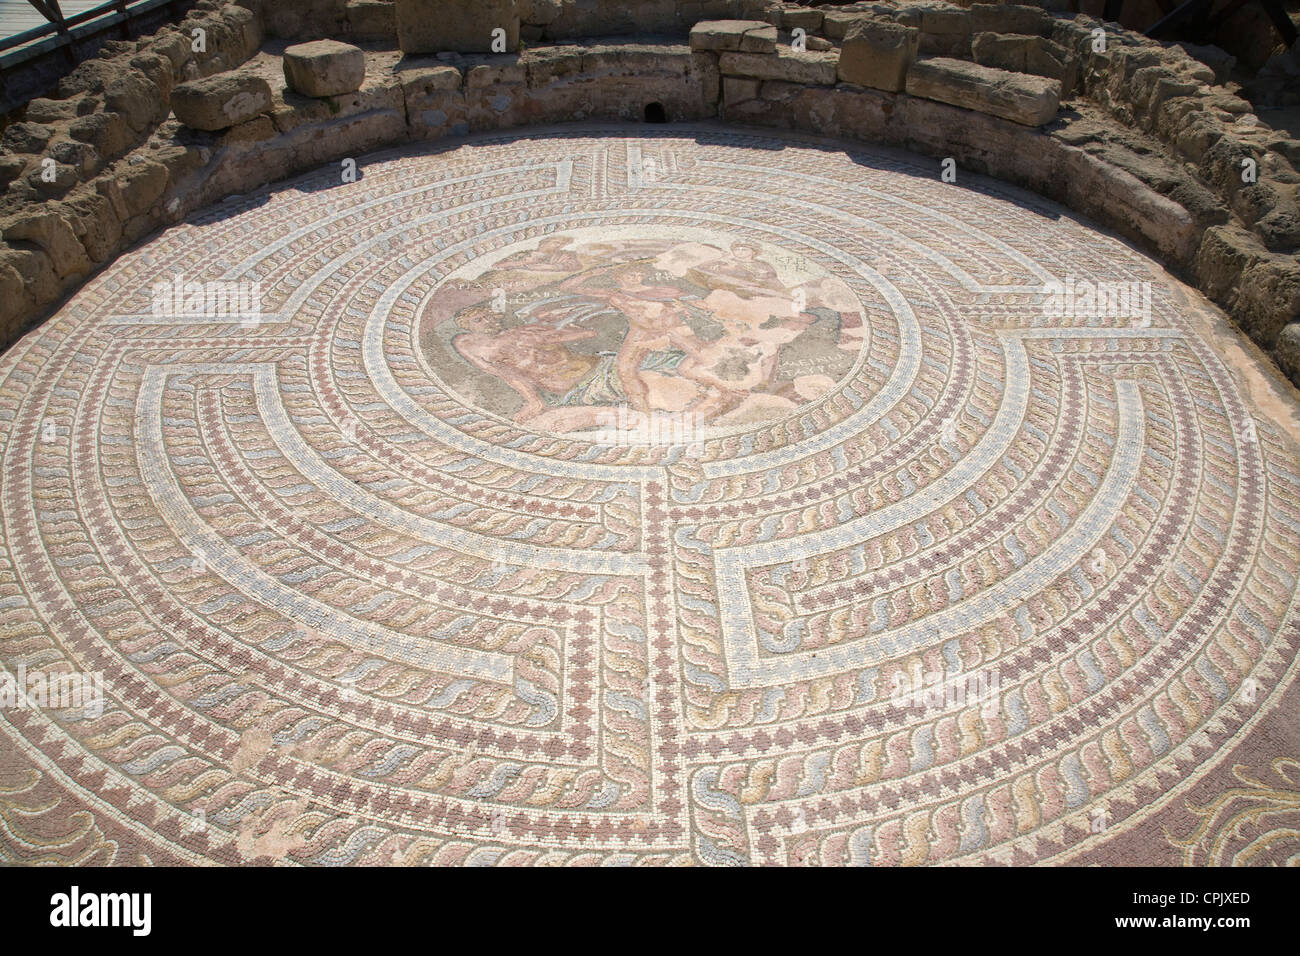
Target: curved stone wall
1136	135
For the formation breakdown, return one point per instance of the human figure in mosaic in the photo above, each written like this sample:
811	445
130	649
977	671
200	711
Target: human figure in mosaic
655	321
550	256
528	358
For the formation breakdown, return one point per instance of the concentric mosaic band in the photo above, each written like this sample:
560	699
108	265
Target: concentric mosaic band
603	498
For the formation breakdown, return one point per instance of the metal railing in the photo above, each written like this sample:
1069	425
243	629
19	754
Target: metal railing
62	31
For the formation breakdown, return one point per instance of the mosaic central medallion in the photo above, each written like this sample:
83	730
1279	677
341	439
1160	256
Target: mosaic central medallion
599	330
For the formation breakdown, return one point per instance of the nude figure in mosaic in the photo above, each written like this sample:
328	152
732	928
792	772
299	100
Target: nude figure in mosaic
528	358
655	321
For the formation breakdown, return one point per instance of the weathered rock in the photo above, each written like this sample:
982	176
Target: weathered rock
1030	100
802	18
95	223
324	68
878	54
737	90
257	129
90	76
945	31
745	36
176	47
1280	226
979	142
836	24
435	104
41	110
11	167
945	20
53	181
381	94
1268	298
1007	18
462	26
304	19
1287	351
552	64
1045	58
371	19
1001	51
138	101
1197	135
106	132
40	281
158	70
221	101
1220	62
14	295
785	64
544	12
505	70
616	81
51	232
248	27
141	184
1225	253
428	79
1119	199
230	36
1153	86
26	137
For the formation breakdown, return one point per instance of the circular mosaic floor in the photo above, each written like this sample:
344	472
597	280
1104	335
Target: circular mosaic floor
603	497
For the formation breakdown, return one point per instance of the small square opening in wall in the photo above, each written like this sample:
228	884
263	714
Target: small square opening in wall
655	113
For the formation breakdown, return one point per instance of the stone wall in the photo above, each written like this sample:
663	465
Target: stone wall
1139	137
1149	142
542	21
81	181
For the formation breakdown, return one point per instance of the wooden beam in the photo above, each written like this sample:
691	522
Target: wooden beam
1277	13
1181	15
46	11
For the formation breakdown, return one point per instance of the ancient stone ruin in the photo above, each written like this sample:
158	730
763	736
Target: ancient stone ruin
1139	136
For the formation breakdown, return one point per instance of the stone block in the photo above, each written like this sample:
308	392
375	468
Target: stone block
52	233
1268	298
106	132
878	54
785	64
324	68
802	18
26	137
1008	18
141	183
1001	51
508	71
1119	199
1029	100
221	101
745	36
736	90
1225	253
41	110
460	26
139	102
837	24
1287	351
940	20
11	167
371	19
